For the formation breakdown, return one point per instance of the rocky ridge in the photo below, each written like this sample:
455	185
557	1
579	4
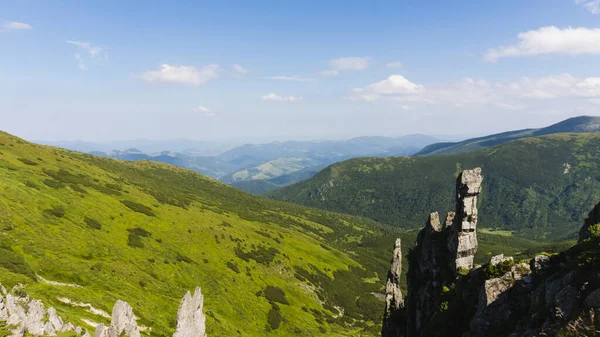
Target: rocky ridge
449	296
24	315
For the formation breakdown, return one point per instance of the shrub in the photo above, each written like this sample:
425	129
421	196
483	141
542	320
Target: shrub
490	271
275	294
136	207
57	211
233	267
53	183
14	262
135	241
139	231
595	230
274	318
31	184
27	161
92	223
262	254
183	258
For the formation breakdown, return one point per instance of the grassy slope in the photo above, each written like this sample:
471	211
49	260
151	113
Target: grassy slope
525	187
196	231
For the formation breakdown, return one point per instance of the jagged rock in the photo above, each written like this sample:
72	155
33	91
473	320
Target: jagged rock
56	323
393	325
3	310
34	320
463	240
191	322
123	322
566	300
553	286
539	263
593	299
498	258
592	219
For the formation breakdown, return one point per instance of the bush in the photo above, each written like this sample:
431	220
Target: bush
275	294
595	230
27	161
262	254
140	232
92	223
14	262
57	211
183	258
490	271
274	318
53	183
135	241
233	267
31	184
136	207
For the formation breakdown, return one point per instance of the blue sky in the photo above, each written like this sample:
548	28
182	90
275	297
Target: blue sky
107	70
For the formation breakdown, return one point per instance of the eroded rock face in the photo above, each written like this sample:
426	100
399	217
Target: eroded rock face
191	321
123	322
26	315
463	240
393	325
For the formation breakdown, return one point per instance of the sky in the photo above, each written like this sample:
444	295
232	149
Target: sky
282	70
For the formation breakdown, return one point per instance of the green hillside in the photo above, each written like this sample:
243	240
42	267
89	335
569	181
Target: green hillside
539	187
573	125
147	232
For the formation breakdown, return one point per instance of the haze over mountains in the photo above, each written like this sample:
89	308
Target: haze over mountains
274	164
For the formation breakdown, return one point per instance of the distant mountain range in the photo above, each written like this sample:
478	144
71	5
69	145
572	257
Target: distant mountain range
270	165
575	124
540	185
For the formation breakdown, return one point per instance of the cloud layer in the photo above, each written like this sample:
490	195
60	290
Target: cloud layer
346	64
274	97
591	5
550	40
184	75
8	26
510	95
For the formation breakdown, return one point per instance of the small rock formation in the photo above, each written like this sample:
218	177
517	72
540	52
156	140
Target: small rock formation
123	322
191	322
394	302
25	315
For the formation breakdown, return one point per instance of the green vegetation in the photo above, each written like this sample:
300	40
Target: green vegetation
540	187
575	124
146	233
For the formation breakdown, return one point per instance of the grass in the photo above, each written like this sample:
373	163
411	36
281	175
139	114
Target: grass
147	232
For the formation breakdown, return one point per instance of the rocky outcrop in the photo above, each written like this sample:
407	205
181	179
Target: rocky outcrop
26	315
191	321
123	322
441	251
463	238
593	218
393	325
552	295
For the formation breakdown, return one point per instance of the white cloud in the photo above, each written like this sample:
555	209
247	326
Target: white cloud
93	53
330	73
550	40
238	71
186	75
394	65
274	97
206	111
395	86
511	95
592	6
7	26
346	64
289	78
